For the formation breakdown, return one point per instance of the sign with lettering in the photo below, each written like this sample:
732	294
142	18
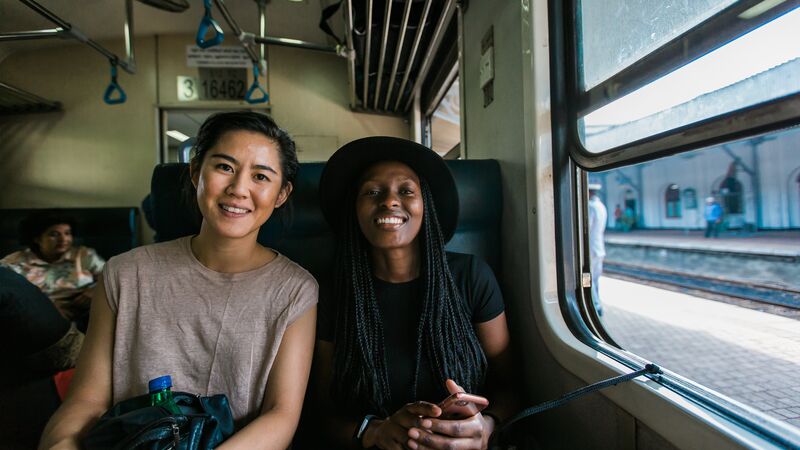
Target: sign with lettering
217	56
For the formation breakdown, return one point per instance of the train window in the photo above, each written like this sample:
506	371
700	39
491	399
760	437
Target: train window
712	294
640	27
671	77
445	123
178	128
682	138
672	200
709	86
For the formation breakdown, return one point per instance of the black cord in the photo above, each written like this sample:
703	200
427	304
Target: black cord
651	369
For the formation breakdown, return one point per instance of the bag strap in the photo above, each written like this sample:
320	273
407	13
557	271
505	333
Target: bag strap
327	13
651	369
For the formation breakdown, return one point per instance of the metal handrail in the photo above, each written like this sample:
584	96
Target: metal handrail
351	62
365	80
34	34
384	40
436	39
243	39
414	47
296	43
398	52
129	65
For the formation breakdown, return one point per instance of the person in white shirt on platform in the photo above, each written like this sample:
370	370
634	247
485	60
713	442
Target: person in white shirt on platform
598	216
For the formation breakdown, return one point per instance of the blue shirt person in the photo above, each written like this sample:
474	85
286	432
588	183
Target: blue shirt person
713	214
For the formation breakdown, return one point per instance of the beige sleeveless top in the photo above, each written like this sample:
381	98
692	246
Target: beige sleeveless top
214	333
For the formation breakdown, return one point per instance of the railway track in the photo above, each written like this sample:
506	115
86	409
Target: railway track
761	293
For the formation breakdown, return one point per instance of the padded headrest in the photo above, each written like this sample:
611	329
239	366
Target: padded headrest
300	231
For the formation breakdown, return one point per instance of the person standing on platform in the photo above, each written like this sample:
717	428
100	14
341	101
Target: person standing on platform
713	214
598	216
618	217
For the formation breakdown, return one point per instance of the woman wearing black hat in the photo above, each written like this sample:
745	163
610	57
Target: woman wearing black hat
402	323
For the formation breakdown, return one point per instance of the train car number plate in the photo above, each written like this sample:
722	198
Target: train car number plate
213	84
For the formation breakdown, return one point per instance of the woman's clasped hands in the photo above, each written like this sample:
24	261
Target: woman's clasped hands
417	426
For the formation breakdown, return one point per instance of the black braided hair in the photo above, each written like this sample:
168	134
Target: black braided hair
444	331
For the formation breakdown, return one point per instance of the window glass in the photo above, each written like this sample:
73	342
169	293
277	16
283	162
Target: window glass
714	84
711	288
445	122
672	200
639	27
179	127
690	198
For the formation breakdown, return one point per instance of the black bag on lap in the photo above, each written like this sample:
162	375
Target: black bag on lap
133	424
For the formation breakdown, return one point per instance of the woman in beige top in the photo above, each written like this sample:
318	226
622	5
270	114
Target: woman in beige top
217	311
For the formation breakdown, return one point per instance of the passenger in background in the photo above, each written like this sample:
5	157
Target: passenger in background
713	215
37	340
217	311
629	219
598	216
403	323
64	272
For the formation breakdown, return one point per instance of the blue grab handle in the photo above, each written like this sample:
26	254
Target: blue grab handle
205	23
114	87
256	86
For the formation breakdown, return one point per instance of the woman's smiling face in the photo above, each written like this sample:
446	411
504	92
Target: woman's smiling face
389	205
239	183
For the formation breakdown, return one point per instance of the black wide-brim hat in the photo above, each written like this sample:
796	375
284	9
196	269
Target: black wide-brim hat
348	163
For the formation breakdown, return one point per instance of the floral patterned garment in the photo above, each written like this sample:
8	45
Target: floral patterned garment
76	271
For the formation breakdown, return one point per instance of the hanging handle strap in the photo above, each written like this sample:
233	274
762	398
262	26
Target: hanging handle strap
651	369
256	86
207	23
114	87
327	13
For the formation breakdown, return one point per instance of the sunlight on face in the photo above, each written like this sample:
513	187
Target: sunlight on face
389	205
239	184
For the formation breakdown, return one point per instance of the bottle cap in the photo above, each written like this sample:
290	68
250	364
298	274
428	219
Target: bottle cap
160	383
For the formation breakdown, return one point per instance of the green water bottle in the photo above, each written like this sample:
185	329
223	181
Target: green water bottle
161	394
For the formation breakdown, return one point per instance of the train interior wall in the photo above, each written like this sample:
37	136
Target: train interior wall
97	155
497	131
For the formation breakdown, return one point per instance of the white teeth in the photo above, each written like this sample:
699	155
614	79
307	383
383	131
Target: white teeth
390	220
233	210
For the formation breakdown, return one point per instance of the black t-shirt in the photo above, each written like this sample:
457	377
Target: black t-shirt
400	305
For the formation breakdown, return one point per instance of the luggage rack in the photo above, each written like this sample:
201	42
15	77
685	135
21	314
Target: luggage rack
17	101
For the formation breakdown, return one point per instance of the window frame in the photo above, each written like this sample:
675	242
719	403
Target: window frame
705	37
454	152
729	196
676	212
570	165
685	198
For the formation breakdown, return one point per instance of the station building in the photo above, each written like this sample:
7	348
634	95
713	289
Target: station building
755	180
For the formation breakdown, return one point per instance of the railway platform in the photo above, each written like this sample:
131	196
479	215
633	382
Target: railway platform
748	355
765	259
767	243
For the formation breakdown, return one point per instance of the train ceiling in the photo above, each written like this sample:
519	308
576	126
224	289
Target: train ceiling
394	41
